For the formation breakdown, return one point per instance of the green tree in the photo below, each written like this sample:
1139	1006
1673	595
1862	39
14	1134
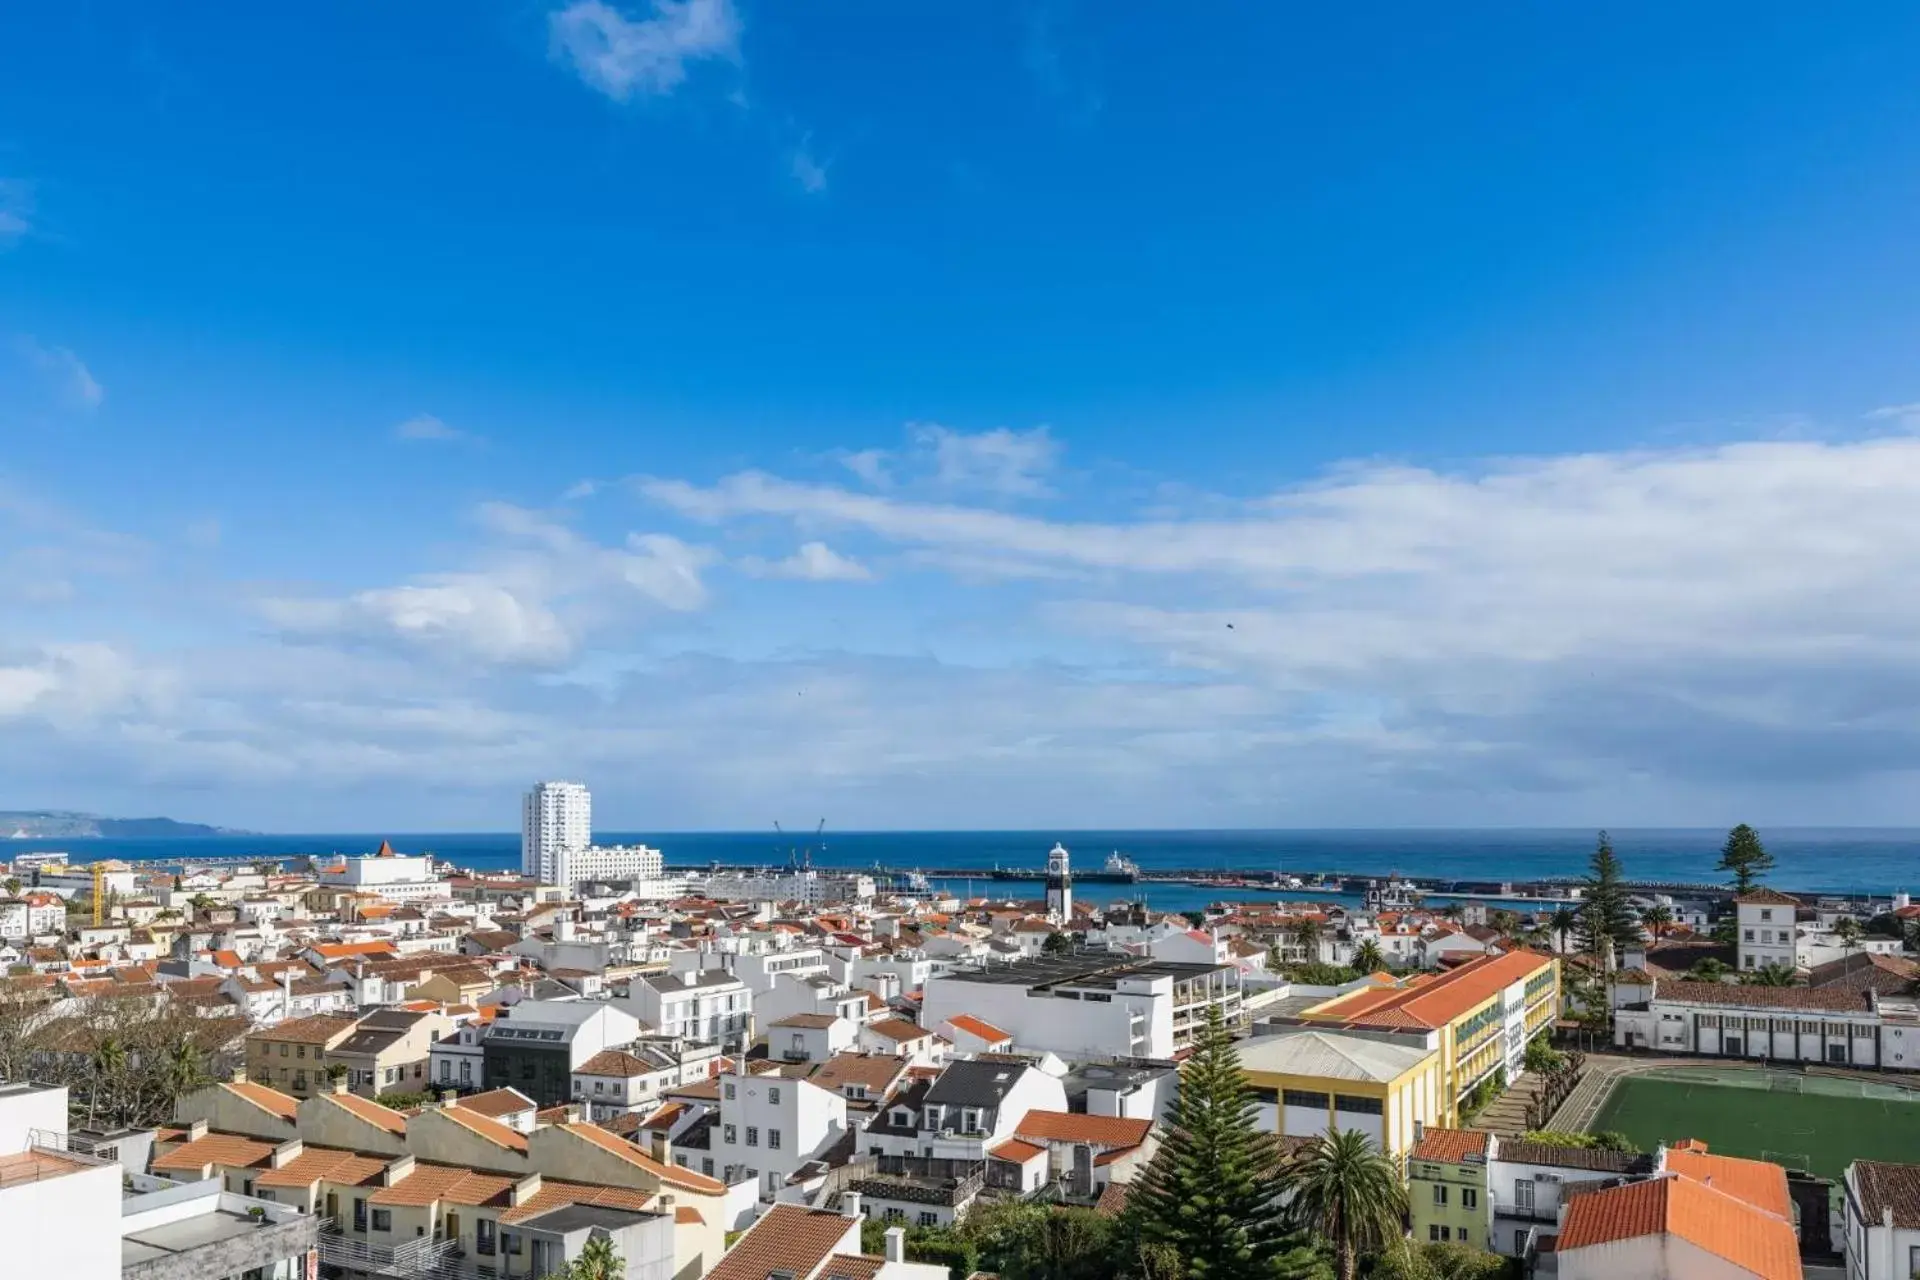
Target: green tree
597	1260
1769	975
1564	922
1057	944
1607	916
1708	969
1443	1261
13	886
1305	934
1347	1192
1368	958
1745	858
1212	1193
1504	922
1658	918
1848	930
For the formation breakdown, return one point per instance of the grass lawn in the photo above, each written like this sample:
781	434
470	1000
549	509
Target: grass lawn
1829	1131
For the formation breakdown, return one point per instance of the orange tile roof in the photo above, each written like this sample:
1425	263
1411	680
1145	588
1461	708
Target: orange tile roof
686	1213
430	1182
228	1149
372	1112
789	1237
852	1266
495	1103
979	1027
1760	1184
669	1173
492	1130
271	1101
1015	1151
1437	1001
1450	1146
1672	1204
319	1028
898	1029
348	1168
1070	1126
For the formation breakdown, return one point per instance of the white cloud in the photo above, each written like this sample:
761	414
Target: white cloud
621	55
666	569
424	426
872	466
464	615
68	684
16	211
72	381
1000	461
811	562
807	169
1905	416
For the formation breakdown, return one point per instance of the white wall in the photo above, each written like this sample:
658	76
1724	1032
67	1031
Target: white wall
66	1226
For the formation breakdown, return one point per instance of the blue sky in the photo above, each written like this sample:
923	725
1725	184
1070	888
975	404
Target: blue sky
1030	414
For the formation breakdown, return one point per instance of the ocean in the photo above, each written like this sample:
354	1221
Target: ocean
1837	860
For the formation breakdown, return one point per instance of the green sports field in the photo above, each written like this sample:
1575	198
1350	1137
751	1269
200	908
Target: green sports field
1812	1122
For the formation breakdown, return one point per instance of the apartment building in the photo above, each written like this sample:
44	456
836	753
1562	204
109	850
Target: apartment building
770	1126
1483	1012
1448	1196
1089	1005
537	1045
697	1004
1767	933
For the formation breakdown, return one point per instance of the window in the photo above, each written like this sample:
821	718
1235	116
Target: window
283	1050
1358	1106
1304	1098
466	1072
1433	1231
299	1051
1463	1235
753	1135
383	1220
1440	1193
599	1086
929	1219
1469	1198
359	1214
773	1095
446	1071
510	1244
730	1091
706	1165
773	1139
1766	913
729	1134
483	1236
1523	1194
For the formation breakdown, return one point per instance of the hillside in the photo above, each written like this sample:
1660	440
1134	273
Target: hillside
57	824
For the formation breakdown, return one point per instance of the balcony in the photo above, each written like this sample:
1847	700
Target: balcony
48	1155
1526	1213
951	1188
411	1259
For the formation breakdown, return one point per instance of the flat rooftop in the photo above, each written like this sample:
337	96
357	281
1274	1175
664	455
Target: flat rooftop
569	1218
36	1165
1082	971
184	1236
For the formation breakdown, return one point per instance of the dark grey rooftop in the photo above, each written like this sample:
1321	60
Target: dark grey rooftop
1084	970
975	1082
569	1218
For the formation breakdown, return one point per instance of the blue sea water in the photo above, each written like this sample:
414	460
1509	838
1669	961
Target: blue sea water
1858	860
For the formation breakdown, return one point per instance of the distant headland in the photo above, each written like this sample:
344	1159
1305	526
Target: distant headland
60	824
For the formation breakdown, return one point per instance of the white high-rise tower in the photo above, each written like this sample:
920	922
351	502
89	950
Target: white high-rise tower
556	819
1059	886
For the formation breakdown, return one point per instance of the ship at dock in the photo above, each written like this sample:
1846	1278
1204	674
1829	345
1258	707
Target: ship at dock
1117	869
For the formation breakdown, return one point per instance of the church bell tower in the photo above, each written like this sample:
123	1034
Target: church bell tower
1059	886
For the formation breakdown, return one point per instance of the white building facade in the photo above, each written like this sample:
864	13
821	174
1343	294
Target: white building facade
555	818
769	1127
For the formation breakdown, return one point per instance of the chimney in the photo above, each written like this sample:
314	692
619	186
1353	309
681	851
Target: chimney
239	1075
339	1083
659	1146
1419	1131
448	1097
397	1171
524	1190
196	1130
284	1152
850	1204
573	1114
896	1244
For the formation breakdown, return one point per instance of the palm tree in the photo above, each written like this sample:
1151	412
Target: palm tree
1368	958
1564	922
1346	1191
200	902
1305	933
1505	923
1848	930
597	1260
1658	918
183	1071
13	886
1769	975
1707	970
